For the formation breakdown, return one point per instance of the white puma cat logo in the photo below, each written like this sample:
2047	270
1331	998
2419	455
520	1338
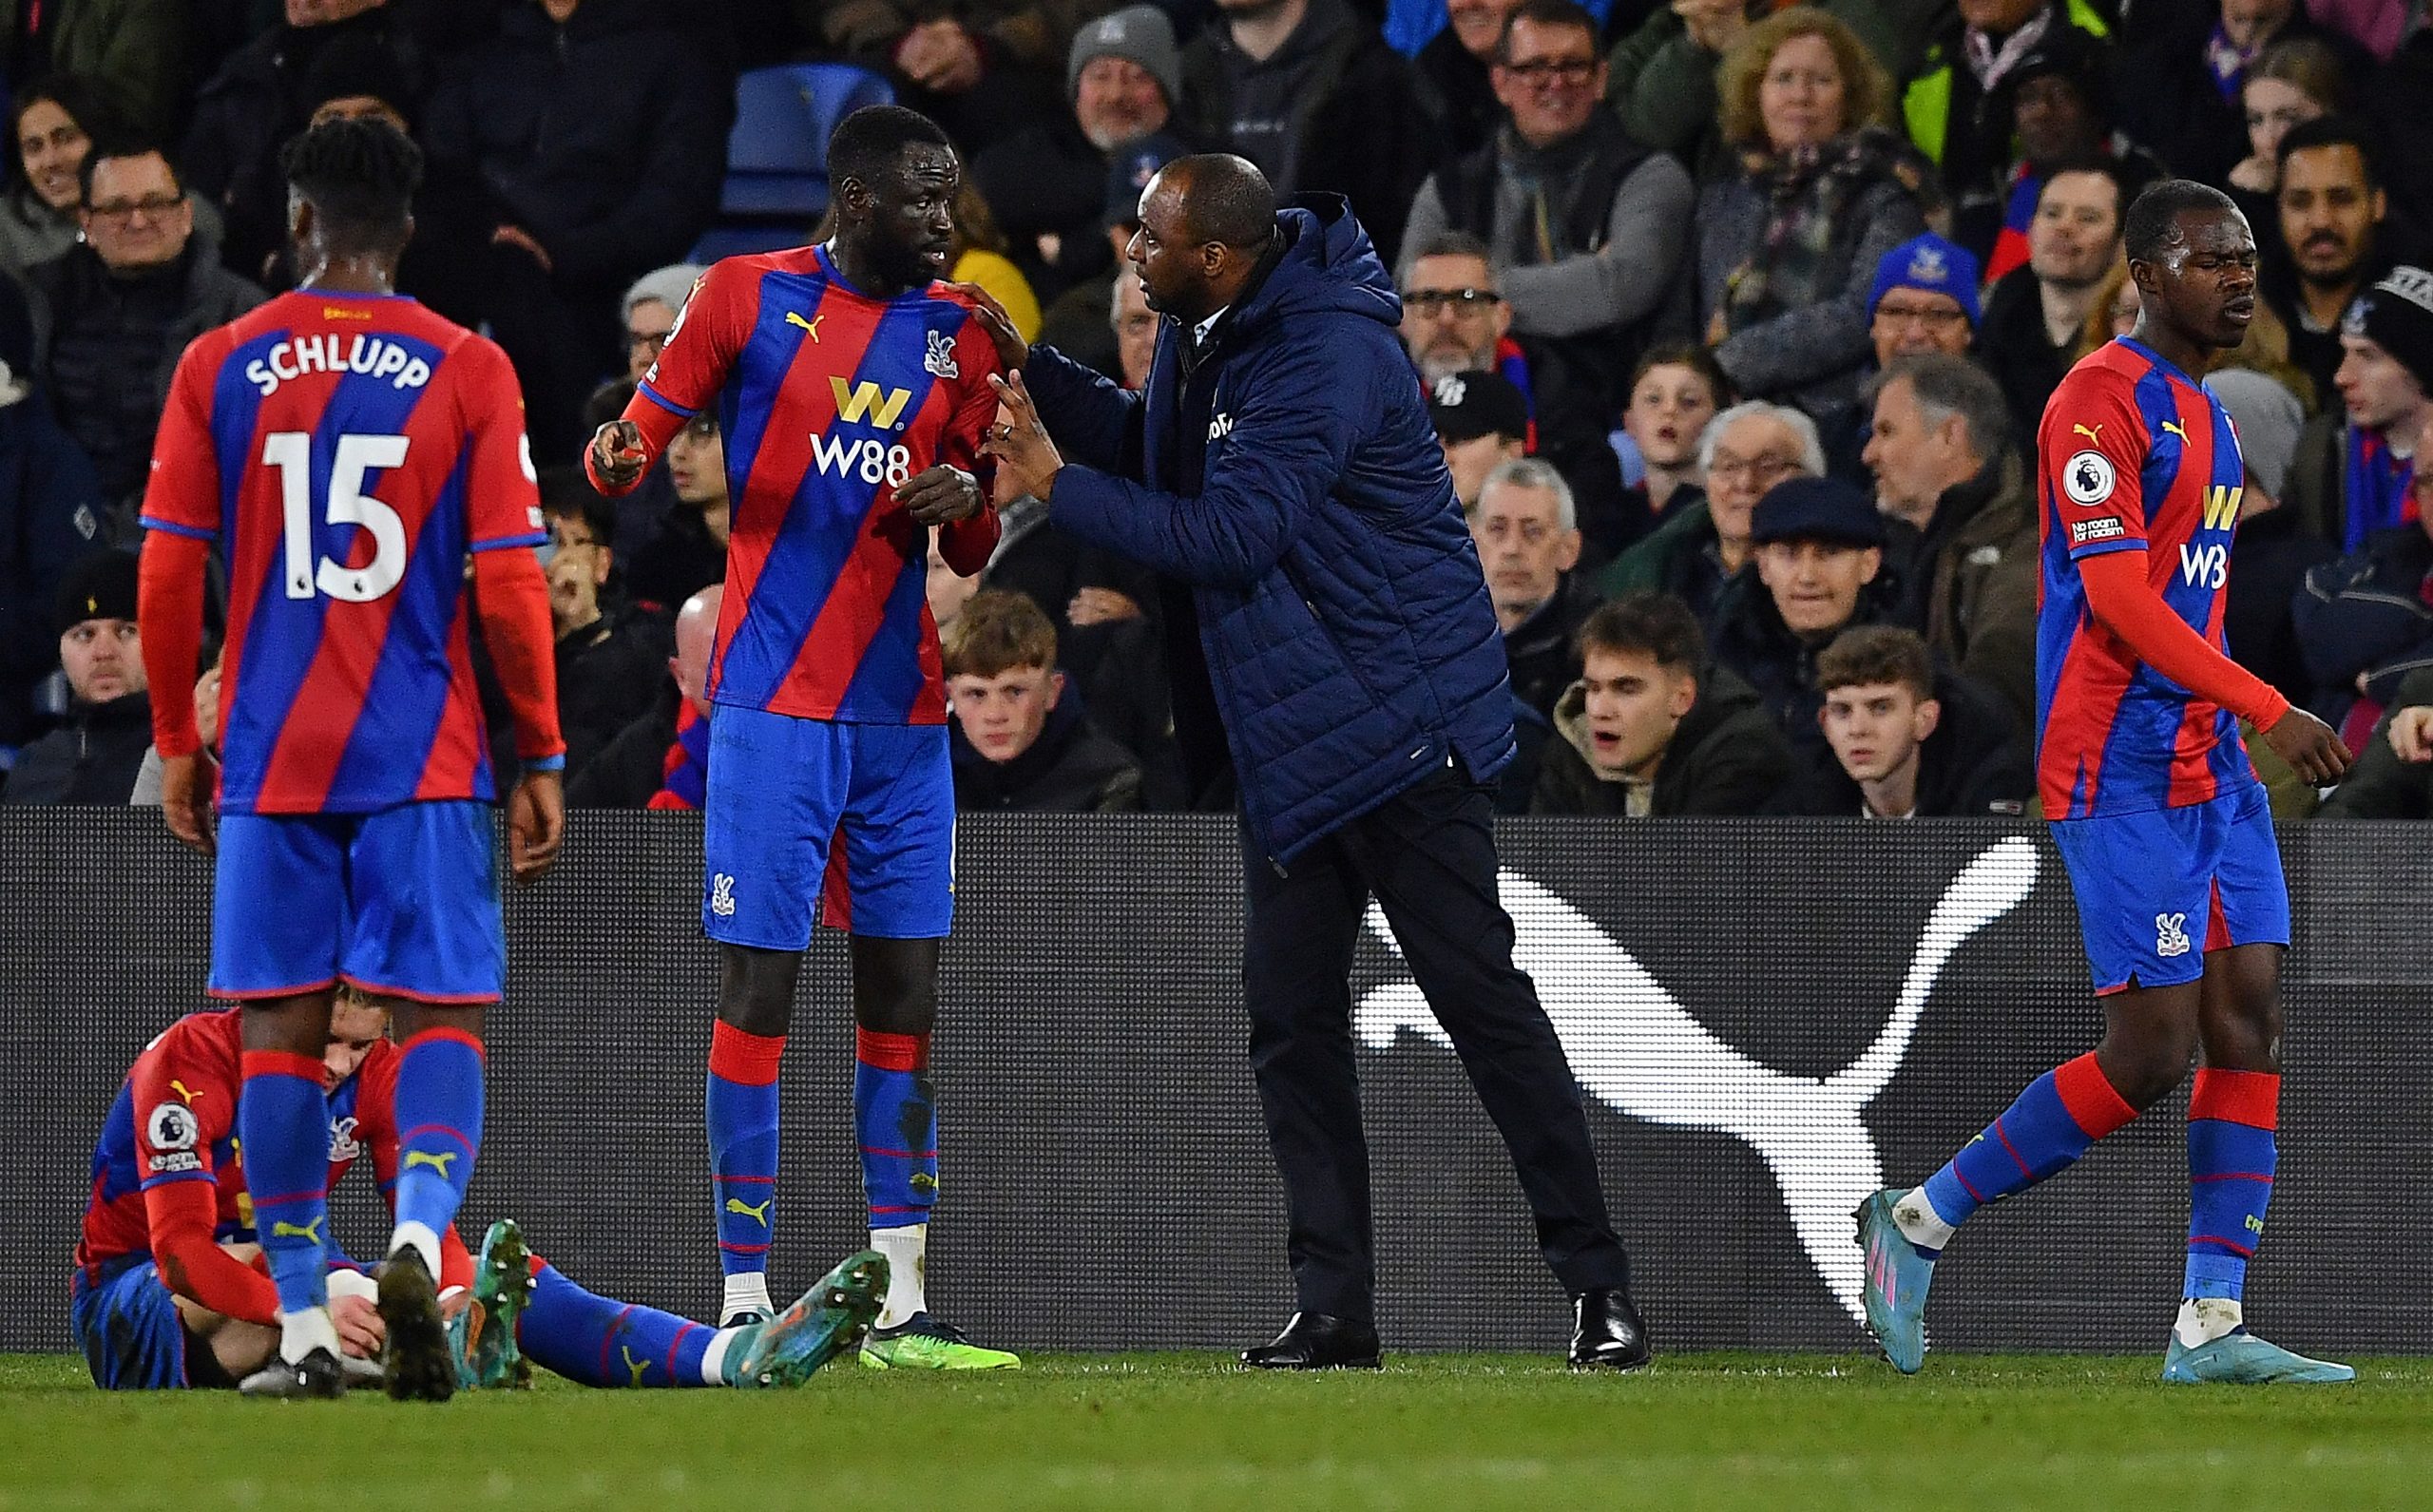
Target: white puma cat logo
1636	1049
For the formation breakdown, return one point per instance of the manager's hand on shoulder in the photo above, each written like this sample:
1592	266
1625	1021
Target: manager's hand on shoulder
1012	350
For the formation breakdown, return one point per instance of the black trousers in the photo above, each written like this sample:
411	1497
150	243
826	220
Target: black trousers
1429	857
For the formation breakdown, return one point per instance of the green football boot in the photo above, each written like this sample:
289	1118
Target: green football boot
822	1324
922	1343
482	1335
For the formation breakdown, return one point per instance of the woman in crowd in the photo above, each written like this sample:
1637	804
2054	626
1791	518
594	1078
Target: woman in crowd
2294	83
52	127
1823	190
52	130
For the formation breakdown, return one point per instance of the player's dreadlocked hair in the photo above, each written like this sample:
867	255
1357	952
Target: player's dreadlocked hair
360	176
2152	220
866	143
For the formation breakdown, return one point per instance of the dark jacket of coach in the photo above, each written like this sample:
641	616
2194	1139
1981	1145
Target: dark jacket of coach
1279	461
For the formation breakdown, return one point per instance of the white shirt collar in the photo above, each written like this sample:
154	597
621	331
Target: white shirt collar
1200	331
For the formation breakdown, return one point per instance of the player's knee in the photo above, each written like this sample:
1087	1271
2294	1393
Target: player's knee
895	985
2144	1066
756	989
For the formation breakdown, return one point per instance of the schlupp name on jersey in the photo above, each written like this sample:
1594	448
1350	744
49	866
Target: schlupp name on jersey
332	352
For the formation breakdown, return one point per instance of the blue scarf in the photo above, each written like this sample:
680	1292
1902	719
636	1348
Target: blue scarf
2376	486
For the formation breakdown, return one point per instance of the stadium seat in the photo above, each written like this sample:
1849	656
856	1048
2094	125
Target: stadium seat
777	156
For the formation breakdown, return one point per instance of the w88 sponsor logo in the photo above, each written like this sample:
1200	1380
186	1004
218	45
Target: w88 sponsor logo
871	460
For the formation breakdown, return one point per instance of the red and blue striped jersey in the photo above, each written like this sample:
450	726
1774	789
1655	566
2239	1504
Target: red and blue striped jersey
2135	457
827	400
175	1120
346	452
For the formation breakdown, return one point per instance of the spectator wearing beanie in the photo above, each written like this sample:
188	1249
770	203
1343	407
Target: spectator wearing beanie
93	756
2058	104
2366	620
1046	184
51	514
1922	299
2353	465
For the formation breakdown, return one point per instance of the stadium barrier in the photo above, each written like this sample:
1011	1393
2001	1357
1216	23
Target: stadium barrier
1768	1019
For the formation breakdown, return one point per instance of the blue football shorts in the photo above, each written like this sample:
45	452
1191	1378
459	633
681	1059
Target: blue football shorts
810	818
127	1325
2158	891
402	903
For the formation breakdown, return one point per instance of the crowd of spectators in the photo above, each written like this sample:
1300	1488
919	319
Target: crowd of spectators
1736	320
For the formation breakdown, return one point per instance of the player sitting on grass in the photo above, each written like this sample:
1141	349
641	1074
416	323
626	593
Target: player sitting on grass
165	1294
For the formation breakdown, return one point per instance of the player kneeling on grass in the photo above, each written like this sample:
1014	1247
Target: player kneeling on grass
165	1293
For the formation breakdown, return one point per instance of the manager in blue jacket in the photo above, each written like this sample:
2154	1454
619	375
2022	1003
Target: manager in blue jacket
1280	462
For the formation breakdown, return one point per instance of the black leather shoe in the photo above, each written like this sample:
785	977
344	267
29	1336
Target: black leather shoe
1607	1332
1314	1340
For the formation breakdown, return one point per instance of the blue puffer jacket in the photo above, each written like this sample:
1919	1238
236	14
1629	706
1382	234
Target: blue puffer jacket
1341	605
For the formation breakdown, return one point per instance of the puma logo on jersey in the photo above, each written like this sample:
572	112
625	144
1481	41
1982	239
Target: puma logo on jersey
186	1094
438	1162
2172	426
284	1230
811	325
2092	433
759	1215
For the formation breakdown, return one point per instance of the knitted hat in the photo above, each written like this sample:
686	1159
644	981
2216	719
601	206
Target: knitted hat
1140	34
351	67
2266	417
100	588
1927	261
2397	315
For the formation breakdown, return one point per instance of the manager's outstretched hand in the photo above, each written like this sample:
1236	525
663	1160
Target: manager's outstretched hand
1019	441
1012	350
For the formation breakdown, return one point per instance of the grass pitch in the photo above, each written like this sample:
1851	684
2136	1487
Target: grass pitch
1174	1431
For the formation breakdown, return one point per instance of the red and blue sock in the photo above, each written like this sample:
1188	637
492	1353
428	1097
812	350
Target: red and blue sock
2232	1116
741	1109
2054	1121
895	1116
440	1126
588	1338
283	1119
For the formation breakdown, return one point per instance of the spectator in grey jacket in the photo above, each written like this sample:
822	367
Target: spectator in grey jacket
1787	245
1588	230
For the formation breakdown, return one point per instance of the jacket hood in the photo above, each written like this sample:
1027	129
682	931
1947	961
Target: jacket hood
1329	265
1721	695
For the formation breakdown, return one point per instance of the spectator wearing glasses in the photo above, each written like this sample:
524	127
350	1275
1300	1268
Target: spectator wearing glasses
1454	318
1702	545
111	316
1587	229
